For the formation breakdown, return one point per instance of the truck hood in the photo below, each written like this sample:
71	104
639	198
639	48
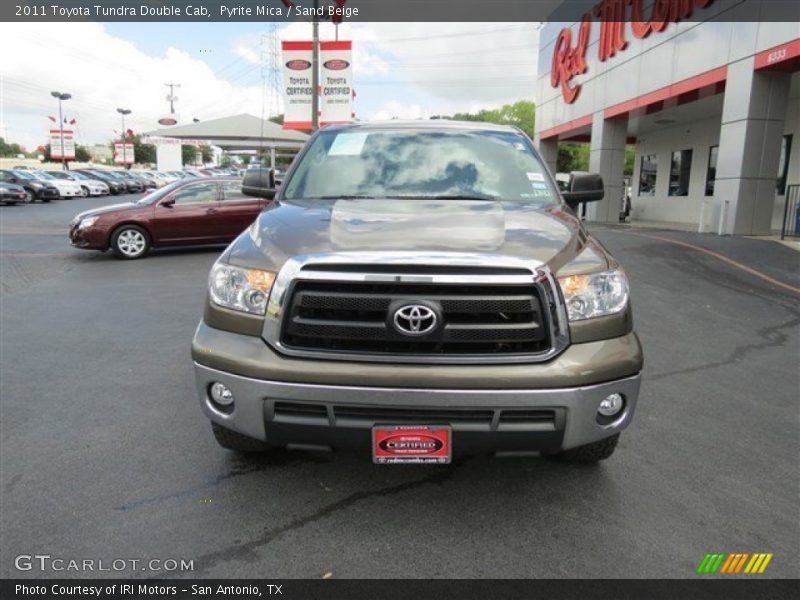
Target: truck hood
550	235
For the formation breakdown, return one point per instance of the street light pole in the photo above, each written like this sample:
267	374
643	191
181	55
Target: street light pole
123	112
61	97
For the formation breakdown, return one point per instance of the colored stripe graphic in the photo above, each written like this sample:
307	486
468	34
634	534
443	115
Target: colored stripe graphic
728	564
741	562
734	563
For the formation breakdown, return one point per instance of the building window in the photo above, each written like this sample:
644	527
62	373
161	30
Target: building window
679	173
711	174
783	164
647	175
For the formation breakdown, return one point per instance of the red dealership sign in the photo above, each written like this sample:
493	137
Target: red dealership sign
615	17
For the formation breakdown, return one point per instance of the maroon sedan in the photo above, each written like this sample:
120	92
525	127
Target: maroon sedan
188	212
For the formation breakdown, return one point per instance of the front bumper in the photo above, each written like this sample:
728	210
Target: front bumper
51	193
91	238
339	415
9	196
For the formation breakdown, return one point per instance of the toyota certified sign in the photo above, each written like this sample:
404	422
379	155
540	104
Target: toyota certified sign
336	82
297	84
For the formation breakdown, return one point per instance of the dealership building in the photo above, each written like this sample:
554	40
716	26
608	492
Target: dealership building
709	99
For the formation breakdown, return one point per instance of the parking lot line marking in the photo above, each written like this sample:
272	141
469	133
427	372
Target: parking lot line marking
725	259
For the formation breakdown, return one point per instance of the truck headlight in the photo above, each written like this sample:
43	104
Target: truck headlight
246	290
594	295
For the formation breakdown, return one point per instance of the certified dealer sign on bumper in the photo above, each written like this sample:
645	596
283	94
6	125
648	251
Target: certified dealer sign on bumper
410	444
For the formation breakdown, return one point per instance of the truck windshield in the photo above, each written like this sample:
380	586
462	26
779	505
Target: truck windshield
419	164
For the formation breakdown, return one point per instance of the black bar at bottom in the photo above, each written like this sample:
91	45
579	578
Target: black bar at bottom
702	588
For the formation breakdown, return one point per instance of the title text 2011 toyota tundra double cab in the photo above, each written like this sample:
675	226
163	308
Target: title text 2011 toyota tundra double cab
417	291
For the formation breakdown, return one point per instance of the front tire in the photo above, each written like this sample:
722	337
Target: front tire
29	197
130	242
237	442
84	192
590	453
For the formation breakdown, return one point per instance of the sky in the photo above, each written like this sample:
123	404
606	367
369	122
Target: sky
403	70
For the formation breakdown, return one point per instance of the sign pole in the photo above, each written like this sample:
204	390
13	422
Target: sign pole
124	146
315	70
61	130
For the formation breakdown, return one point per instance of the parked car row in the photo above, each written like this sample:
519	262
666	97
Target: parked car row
25	185
35	186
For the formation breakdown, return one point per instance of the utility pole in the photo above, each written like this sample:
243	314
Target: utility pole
61	97
123	112
315	70
172	98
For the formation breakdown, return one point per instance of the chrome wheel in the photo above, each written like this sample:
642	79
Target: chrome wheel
131	242
84	192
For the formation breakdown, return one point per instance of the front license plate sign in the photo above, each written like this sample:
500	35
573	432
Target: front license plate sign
399	444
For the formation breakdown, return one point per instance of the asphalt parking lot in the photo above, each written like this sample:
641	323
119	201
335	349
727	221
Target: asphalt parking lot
104	452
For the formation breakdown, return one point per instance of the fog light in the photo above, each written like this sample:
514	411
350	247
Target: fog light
221	394
611	405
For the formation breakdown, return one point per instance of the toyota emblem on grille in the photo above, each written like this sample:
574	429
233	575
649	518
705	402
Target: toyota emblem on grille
415	319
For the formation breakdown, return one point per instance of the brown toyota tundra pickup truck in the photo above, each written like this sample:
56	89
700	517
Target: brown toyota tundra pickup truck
417	291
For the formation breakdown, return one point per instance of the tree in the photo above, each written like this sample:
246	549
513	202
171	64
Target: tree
630	157
520	114
188	155
82	154
572	157
206	154
277	119
575	157
10	150
143	153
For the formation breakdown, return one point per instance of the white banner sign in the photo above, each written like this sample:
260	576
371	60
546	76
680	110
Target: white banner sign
123	154
336	82
297	85
56	144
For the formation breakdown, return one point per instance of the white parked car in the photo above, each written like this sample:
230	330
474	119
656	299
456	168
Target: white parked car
89	186
66	188
169	177
160	177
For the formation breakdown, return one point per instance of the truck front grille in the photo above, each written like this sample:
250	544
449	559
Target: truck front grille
310	413
356	317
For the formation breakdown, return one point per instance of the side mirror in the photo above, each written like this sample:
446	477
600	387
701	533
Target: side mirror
583	187
259	182
168	203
